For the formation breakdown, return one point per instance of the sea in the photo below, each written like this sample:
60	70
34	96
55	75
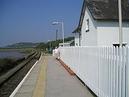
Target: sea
11	54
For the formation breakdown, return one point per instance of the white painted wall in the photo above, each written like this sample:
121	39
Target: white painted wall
64	44
108	33
88	38
76	39
102	33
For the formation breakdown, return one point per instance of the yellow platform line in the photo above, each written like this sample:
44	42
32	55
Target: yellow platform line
39	90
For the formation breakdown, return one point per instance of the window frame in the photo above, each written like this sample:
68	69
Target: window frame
87	25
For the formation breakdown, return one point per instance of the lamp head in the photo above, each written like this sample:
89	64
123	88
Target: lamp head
55	23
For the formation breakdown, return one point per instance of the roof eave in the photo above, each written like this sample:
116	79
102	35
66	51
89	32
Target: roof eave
77	30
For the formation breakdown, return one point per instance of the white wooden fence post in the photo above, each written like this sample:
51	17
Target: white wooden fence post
110	65
127	72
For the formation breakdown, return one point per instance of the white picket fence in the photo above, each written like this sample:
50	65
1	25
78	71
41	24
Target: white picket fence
105	70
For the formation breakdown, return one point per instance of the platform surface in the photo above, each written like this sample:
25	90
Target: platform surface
50	79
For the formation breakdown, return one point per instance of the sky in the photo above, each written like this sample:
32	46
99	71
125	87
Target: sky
31	20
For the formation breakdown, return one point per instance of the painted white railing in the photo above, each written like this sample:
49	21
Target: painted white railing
105	70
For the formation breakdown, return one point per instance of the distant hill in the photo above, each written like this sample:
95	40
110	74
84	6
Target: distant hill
22	45
42	45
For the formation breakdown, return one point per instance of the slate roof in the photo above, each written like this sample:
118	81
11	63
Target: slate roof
107	9
104	10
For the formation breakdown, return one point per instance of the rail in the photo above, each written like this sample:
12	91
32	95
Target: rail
11	72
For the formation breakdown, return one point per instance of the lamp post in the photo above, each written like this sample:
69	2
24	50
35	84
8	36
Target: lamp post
120	23
49	45
56	35
62	28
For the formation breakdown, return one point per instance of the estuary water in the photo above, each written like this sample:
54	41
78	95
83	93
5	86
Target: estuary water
11	54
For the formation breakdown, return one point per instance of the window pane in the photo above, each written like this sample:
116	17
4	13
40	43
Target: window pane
87	25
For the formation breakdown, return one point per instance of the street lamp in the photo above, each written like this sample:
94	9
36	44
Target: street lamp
120	23
49	45
56	35
62	27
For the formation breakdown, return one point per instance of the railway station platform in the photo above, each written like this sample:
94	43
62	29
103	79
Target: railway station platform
48	78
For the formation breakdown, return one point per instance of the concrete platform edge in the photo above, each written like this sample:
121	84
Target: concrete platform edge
39	90
17	88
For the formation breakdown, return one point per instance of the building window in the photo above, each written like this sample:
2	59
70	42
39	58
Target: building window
76	44
87	25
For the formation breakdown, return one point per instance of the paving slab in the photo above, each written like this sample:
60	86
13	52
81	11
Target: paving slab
28	87
59	83
23	95
50	79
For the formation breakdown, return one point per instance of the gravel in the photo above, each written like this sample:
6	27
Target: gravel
8	87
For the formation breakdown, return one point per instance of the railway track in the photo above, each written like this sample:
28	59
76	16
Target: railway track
10	80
